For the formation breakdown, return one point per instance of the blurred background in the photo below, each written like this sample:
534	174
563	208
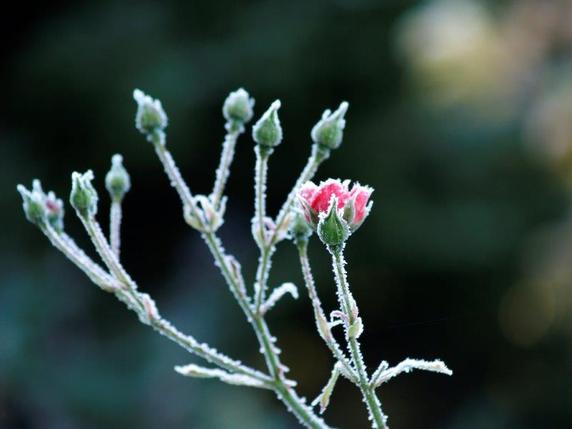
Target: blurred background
460	118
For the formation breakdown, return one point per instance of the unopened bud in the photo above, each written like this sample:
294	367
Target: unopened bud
329	131
83	196
33	203
41	208
54	211
267	132
117	180
150	117
237	107
300	230
332	229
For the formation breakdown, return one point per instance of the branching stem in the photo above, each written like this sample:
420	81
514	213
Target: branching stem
319	314
281	385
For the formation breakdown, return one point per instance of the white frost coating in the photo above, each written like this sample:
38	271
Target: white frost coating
150	113
383	365
278	293
324	397
407	366
196	371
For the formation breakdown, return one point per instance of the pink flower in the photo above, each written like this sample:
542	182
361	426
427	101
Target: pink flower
352	205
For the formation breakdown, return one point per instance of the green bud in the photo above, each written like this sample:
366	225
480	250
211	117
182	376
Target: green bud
150	117
238	107
267	131
83	196
332	229
117	180
300	230
41	208
33	203
329	131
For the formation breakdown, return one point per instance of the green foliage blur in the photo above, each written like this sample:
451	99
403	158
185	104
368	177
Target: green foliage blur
460	118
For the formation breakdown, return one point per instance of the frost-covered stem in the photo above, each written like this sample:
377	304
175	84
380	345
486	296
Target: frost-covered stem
177	181
262	277
281	386
319	314
349	307
223	170
115	215
261	171
104	250
65	244
159	324
217	250
319	155
260	176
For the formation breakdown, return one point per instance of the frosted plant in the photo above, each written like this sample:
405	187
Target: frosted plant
330	209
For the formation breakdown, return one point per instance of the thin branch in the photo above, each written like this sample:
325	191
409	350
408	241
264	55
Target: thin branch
161	325
115	216
407	366
223	170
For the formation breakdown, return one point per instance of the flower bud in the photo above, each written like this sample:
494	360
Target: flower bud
267	131
332	229
83	196
238	107
117	180
150	117
41	208
300	231
54	211
329	131
33	203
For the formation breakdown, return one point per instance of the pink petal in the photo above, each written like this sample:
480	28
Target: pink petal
324	193
307	191
362	194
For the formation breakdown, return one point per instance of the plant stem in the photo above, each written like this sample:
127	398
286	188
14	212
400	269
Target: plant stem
319	311
159	324
115	215
319	155
281	386
347	303
223	170
285	393
260	176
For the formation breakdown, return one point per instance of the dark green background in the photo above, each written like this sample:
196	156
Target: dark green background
456	201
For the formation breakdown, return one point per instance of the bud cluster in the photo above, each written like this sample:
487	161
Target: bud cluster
333	210
41	208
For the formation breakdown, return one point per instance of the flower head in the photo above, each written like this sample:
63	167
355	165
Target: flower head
351	206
